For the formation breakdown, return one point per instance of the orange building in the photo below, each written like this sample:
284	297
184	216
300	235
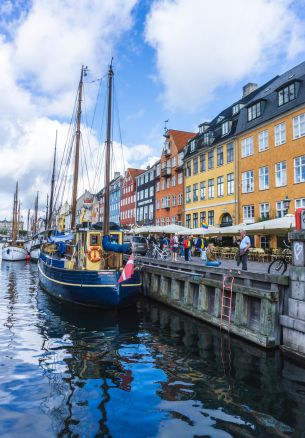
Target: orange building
169	179
271	144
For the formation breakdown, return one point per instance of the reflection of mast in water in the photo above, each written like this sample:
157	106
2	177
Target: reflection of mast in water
12	296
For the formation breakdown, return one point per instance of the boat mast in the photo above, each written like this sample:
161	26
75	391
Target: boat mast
77	144
28	223
14	225
107	157
18	220
35	214
47	213
49	219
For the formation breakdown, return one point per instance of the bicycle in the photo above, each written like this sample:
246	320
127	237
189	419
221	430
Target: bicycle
279	265
156	253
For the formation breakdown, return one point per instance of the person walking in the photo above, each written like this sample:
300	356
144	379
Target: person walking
244	246
186	247
198	245
174	247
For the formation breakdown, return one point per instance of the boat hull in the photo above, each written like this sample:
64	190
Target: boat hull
35	253
87	288
13	253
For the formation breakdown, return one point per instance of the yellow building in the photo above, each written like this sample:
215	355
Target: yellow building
271	144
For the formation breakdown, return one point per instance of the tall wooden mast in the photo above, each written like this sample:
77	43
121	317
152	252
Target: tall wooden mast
77	144
14	224
49	219
47	213
35	214
108	151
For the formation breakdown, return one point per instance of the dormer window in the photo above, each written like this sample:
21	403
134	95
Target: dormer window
255	111
287	94
225	128
207	138
192	145
219	119
235	109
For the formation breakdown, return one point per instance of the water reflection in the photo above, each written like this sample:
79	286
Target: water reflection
143	373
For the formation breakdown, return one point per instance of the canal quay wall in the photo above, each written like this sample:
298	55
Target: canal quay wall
258	299
293	321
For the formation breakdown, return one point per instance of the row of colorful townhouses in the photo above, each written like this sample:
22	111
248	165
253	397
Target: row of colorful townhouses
245	165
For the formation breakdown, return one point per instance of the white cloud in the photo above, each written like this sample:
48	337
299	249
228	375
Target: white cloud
41	53
201	45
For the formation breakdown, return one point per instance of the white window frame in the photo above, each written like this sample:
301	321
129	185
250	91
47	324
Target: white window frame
300	203
263	178
230	184
299	169
280	209
211	188
264	210
248	214
247	181
263	140
280	134
220	186
299	126
281	174
247	147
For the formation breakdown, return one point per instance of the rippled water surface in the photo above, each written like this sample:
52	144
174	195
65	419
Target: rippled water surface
145	372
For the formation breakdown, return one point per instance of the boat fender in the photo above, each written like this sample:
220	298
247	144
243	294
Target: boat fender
94	253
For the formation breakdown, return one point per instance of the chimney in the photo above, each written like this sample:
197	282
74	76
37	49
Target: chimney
248	88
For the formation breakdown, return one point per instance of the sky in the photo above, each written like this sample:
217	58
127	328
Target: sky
178	60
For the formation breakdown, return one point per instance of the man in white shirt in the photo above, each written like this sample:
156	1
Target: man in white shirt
244	246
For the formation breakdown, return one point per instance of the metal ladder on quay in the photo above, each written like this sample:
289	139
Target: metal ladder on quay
226	301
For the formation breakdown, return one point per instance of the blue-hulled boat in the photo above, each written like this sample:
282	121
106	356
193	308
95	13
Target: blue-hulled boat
84	267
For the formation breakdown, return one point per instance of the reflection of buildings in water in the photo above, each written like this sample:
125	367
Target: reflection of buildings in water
82	351
238	376
12	297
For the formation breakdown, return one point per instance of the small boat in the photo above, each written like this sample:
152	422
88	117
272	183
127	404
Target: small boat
85	267
15	250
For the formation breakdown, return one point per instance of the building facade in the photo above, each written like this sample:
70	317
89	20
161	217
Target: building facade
145	197
271	143
128	198
210	168
169	179
115	198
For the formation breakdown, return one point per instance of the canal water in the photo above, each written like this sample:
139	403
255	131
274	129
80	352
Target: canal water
145	372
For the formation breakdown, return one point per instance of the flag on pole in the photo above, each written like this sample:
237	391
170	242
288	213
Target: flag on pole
204	225
128	270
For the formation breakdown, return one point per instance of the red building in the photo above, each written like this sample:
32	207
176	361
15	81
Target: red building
128	198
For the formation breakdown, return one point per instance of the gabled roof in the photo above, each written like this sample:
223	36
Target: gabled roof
180	138
134	172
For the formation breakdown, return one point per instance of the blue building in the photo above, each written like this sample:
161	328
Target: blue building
115	197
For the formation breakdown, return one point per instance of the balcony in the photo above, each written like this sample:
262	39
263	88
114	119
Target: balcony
166	172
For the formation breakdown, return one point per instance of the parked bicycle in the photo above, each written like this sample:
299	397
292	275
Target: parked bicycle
156	253
280	264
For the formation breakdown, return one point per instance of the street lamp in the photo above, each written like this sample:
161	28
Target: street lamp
286	203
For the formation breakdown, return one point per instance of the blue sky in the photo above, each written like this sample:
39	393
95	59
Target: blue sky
181	60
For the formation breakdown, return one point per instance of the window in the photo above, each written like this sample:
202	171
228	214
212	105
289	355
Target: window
265	242
211	159
163	184
168	221
174	180
180	199
188	194
188	221
280	210
281	174
264	211
264	178
202	163
254	111
158	187
158	170
299	169
158	205
151	191
230	183
220	156
247	181
174	161
146	193
287	94
180	178
174	219
202	217
263	140
211	188
168	183
299	126
225	128
280	134
211	217
180	159
195	220
188	169
192	144
195	166
202	190
195	192
300	203
247	147
174	201
235	109
248	211
230	152
220	186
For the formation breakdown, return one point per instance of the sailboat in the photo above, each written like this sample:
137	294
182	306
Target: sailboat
84	267
14	250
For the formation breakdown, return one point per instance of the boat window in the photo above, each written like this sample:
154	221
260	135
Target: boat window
94	239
